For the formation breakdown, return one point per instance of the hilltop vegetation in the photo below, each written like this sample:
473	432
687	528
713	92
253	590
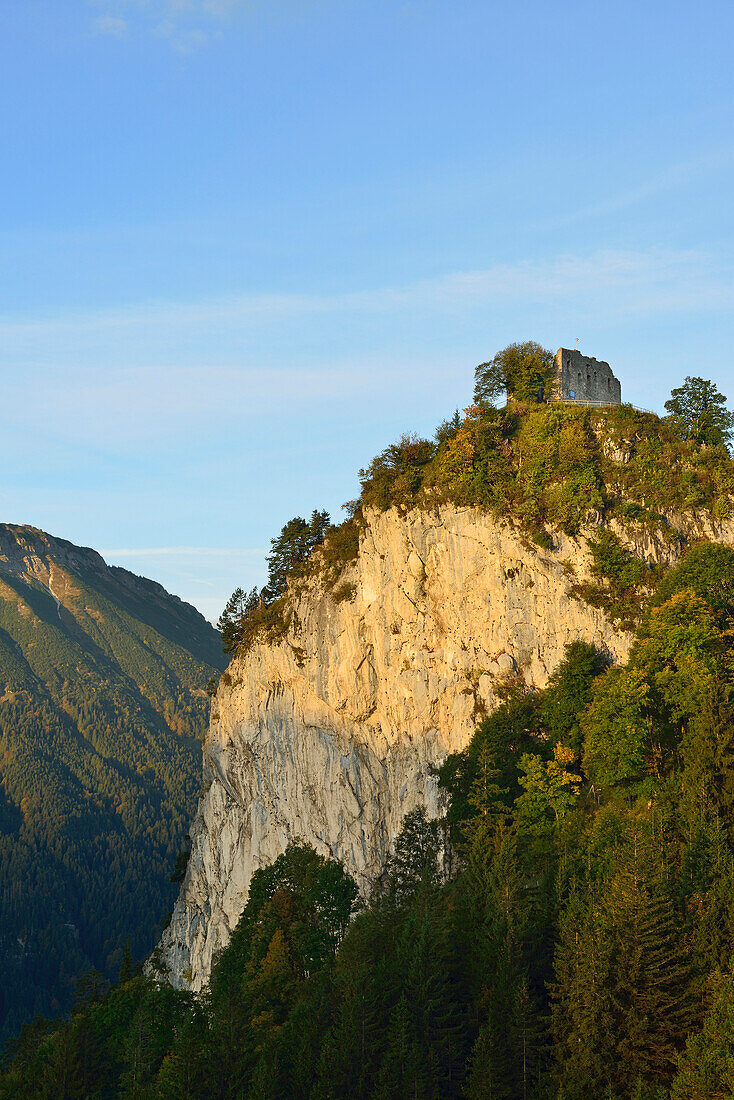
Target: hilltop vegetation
545	467
565	932
102	705
558	466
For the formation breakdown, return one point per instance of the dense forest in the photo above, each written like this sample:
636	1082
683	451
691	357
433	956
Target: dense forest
102	706
566	931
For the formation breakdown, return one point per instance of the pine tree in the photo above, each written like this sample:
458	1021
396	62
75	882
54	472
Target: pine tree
292	547
319	527
233	621
365	988
569	692
415	855
493	921
625	994
706	1068
401	1075
432	987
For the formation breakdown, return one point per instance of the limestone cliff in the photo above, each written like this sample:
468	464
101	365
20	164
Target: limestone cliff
331	733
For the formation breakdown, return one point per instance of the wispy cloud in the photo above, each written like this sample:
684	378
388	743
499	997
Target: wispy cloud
181	552
184	24
671	177
651	280
111	25
154	373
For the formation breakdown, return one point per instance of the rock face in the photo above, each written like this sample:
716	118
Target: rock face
331	734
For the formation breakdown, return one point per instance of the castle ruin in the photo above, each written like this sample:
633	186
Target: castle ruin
585	380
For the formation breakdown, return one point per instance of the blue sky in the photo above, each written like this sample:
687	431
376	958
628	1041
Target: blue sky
245	245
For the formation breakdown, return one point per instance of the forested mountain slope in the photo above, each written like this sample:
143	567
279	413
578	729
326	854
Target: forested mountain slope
103	701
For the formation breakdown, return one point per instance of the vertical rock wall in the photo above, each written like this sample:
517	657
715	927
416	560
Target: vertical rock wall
332	733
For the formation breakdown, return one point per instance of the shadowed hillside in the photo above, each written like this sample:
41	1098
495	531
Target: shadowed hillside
102	704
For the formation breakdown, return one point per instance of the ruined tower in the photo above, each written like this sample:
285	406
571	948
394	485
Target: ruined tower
581	378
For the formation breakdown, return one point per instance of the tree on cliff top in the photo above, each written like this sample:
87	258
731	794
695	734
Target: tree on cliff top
700	412
232	622
292	547
523	370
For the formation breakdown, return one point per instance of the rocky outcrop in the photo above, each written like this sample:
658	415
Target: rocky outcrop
332	733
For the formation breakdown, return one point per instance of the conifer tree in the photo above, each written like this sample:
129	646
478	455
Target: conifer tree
625	993
706	1067
292	547
233	621
415	856
569	692
365	988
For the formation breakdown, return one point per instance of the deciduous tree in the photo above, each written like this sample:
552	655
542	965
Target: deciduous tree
700	411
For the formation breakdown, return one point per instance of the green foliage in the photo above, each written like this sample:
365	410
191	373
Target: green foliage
625	995
292	548
569	692
557	466
707	570
549	791
266	615
395	476
524	371
345	591
624	580
415	856
706	1068
485	777
268	622
233	622
182	862
307	898
700	412
617	729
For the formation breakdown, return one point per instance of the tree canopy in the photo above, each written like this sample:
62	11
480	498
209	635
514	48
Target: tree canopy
292	547
700	412
237	612
523	370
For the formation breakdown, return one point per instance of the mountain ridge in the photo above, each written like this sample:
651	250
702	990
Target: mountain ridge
103	703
